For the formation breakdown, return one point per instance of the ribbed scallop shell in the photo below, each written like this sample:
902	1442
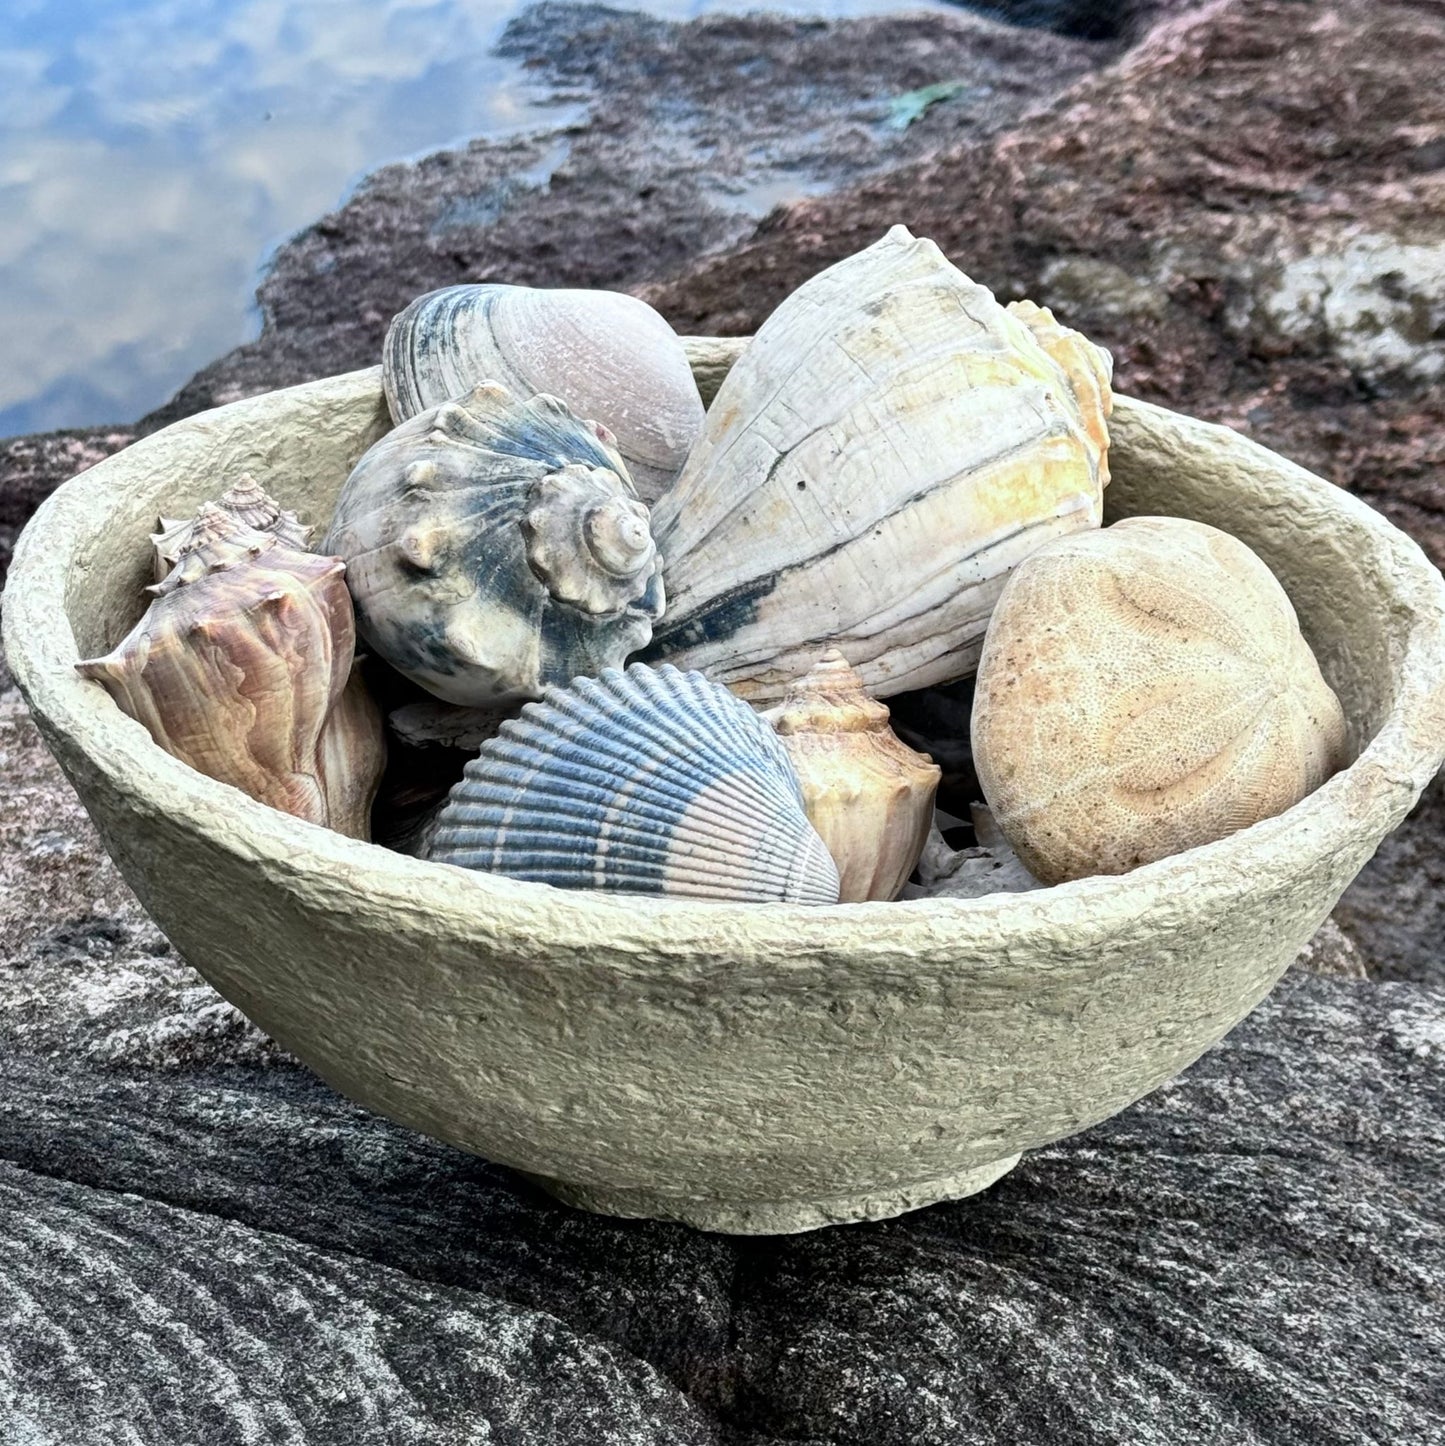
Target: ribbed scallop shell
607	355
889	446
647	781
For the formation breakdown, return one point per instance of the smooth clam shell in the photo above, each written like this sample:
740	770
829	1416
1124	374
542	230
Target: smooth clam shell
888	447
495	545
1144	690
607	355
645	781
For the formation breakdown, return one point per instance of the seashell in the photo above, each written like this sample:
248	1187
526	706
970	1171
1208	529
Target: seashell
240	668
494	546
646	781
882	454
972	873
352	758
605	354
434	724
1143	690
869	795
249	503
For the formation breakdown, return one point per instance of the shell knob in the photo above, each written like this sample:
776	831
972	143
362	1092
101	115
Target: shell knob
590	543
617	536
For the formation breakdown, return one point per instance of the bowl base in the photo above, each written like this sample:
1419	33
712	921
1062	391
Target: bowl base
776	1217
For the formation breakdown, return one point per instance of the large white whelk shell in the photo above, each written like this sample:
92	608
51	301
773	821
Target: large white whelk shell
646	781
607	355
889	446
493	546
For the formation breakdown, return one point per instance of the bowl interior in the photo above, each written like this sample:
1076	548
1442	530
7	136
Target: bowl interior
1327	556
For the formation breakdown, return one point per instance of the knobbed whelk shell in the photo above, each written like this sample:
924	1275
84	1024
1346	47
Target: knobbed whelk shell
494	546
605	354
647	781
1143	690
869	795
888	447
249	503
240	668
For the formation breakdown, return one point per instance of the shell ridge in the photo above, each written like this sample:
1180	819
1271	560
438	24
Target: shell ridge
684	798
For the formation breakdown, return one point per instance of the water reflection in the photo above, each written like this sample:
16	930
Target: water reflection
153	151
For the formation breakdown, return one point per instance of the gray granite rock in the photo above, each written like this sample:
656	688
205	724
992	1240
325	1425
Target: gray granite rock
1254	1254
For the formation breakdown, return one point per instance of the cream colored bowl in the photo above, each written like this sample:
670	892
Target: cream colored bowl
743	1068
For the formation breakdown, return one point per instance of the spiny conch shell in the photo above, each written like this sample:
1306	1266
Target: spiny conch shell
888	447
494	546
605	354
869	795
647	781
240	669
249	503
1143	690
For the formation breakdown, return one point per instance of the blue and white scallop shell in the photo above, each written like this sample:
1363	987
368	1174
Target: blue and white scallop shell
648	781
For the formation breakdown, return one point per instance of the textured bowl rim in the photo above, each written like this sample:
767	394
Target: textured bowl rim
86	729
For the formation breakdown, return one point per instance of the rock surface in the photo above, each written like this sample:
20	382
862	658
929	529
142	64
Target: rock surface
200	1242
691	133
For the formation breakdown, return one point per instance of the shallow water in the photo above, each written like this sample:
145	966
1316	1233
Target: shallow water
154	152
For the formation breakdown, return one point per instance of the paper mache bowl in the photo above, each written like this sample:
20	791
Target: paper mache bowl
743	1068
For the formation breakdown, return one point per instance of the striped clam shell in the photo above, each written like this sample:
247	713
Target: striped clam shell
606	354
648	781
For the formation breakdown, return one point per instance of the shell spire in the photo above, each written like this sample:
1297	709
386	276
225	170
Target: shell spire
247	503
